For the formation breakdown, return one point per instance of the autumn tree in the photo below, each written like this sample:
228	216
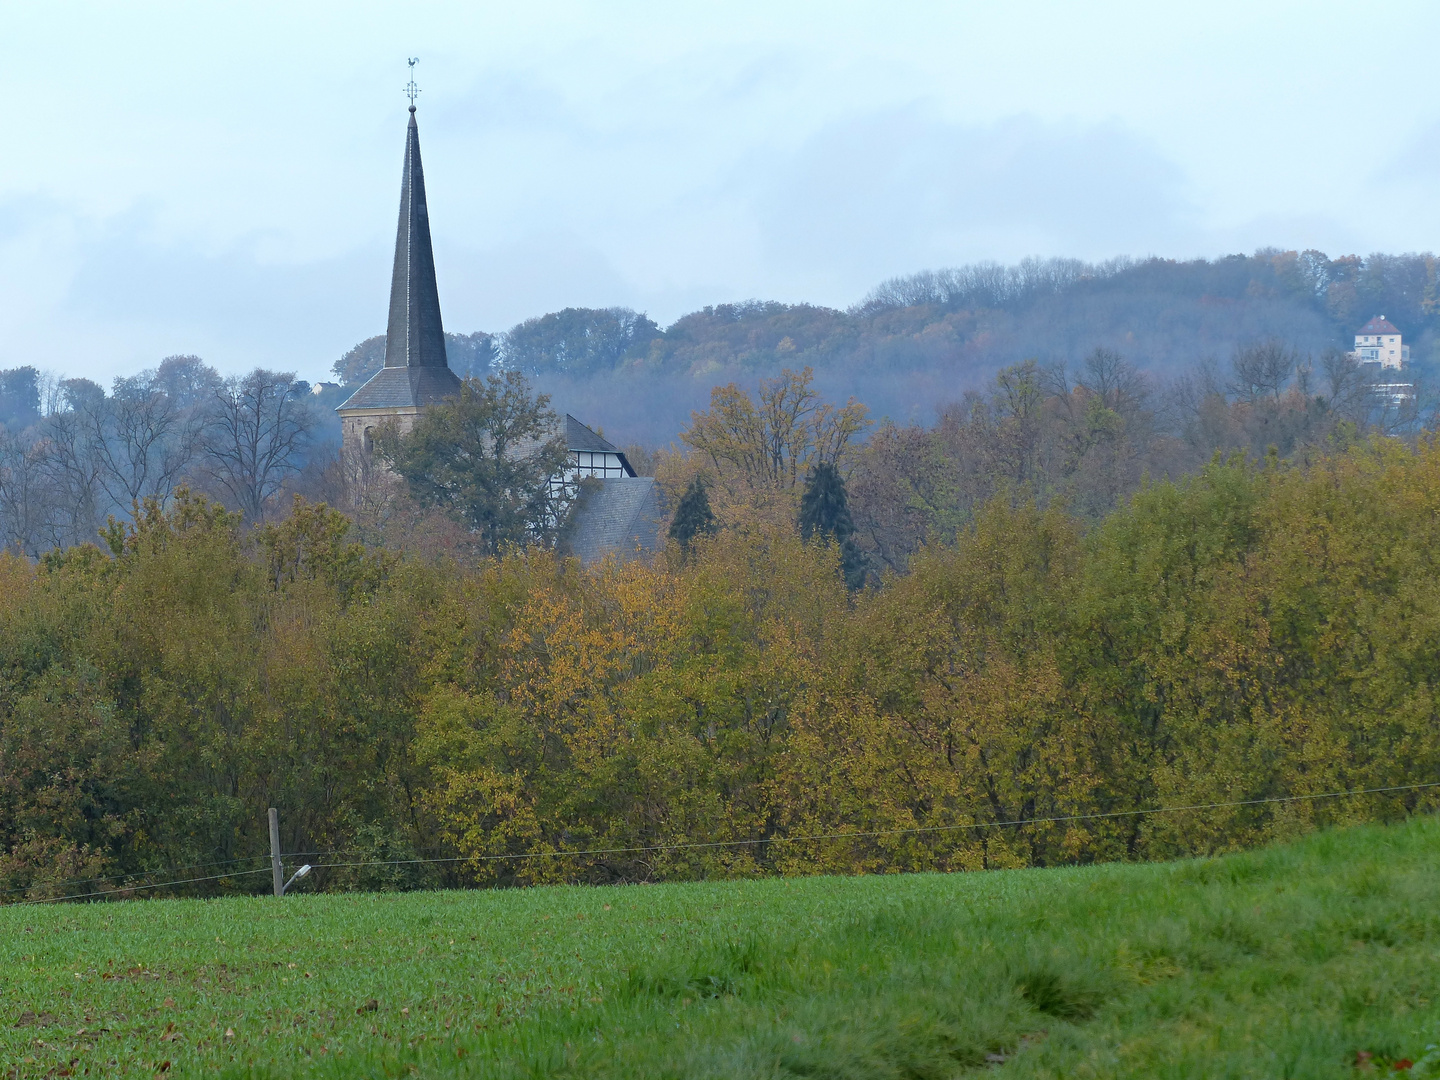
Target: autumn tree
486	458
773	442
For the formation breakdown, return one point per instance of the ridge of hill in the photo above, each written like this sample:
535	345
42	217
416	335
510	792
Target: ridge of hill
917	343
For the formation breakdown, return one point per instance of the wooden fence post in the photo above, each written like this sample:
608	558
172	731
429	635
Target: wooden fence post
277	872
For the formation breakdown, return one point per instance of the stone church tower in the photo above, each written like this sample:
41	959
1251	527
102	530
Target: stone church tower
415	373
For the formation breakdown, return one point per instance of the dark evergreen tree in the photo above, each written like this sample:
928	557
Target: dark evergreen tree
825	514
693	516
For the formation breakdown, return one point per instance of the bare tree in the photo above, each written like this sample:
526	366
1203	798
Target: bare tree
258	429
142	440
27	495
70	461
1263	370
1114	380
1350	393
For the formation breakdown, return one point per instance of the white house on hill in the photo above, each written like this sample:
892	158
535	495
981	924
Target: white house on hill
1378	342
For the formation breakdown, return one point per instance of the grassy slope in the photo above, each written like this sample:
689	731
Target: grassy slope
1282	962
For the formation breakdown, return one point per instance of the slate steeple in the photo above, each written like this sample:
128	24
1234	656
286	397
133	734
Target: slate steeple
414	336
415	373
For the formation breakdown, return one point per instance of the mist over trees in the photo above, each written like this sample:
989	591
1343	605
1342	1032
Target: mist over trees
1106	572
918	343
1056	380
73	456
577	341
1068	380
469	355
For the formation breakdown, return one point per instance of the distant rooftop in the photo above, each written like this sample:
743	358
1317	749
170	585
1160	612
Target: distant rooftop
1379	325
619	516
580	437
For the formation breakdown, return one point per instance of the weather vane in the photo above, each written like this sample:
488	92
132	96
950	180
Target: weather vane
410	88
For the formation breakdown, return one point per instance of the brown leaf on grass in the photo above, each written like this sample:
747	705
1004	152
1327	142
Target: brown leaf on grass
170	1032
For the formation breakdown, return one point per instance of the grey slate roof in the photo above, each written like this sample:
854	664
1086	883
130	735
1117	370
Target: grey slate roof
396	387
415	372
621	515
414	336
580	437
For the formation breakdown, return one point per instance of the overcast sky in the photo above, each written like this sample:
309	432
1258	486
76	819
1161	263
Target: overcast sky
223	180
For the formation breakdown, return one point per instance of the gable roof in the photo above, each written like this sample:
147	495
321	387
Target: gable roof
580	437
1379	325
619	516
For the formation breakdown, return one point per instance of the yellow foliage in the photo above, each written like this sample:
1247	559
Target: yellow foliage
1023	696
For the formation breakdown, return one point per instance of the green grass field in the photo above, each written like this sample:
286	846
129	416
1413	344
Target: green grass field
1287	962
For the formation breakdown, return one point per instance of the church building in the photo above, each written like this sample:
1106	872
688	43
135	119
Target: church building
613	512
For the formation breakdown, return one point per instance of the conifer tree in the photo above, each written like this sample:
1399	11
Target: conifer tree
825	514
693	516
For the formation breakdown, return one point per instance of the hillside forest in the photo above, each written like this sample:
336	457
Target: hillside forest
1081	588
919	343
1075	379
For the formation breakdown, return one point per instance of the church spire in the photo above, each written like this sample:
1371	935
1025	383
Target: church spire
415	374
414	337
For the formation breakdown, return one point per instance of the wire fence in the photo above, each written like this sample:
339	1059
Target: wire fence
640	849
135	874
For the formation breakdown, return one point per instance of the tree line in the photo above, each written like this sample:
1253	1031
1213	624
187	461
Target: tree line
1260	630
922	341
1083	438
73	455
